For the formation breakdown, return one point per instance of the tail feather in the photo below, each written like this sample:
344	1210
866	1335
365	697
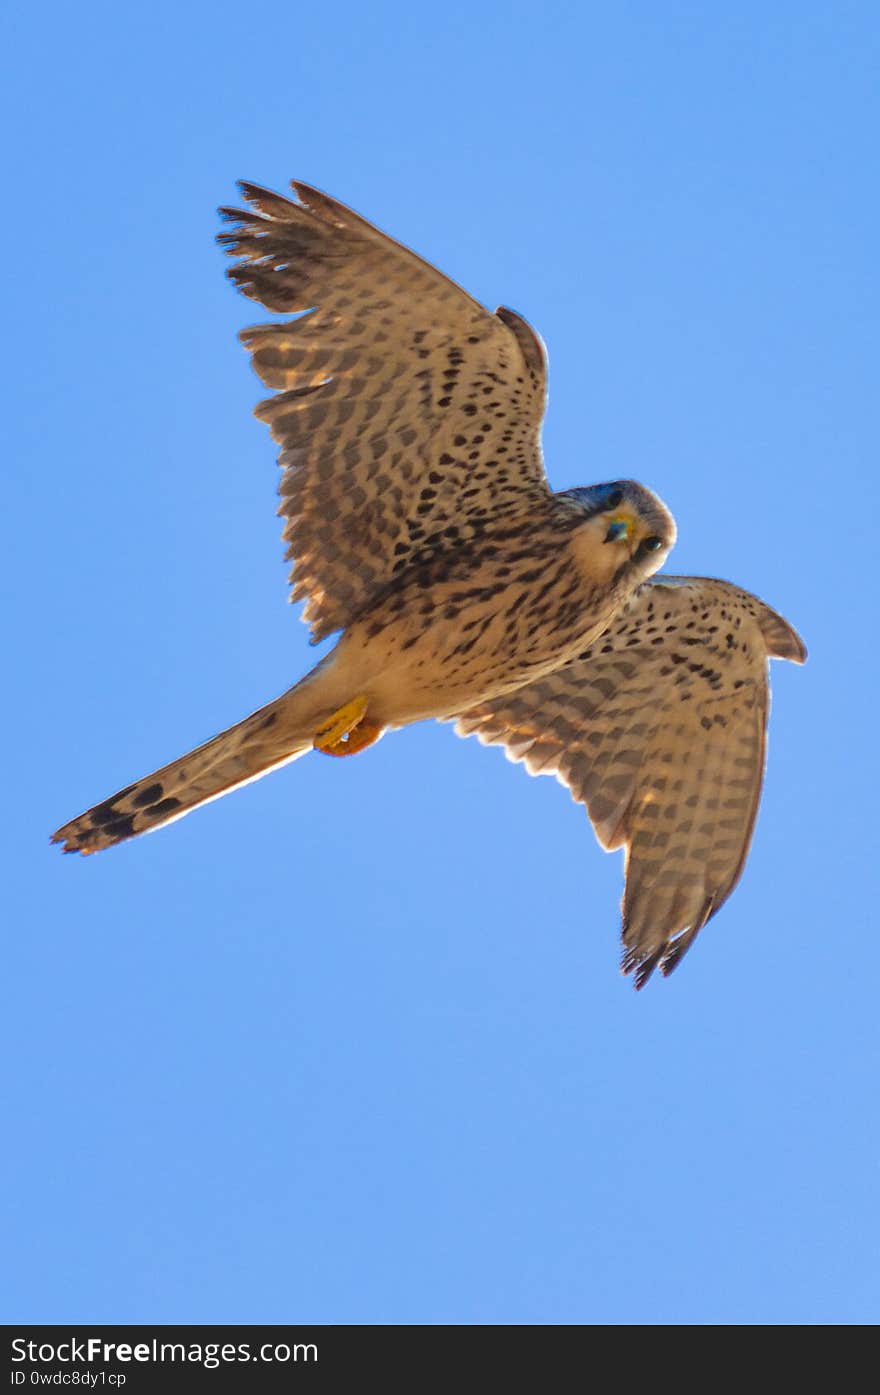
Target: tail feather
261	743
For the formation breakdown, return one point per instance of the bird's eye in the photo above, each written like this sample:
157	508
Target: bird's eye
652	544
613	500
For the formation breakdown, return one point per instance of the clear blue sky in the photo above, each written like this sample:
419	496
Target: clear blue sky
352	1044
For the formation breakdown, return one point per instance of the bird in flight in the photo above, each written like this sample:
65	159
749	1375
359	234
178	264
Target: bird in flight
463	588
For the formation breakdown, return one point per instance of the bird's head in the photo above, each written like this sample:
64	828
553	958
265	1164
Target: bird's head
626	529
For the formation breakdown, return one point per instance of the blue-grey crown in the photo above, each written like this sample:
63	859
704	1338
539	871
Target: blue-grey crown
605	498
600	497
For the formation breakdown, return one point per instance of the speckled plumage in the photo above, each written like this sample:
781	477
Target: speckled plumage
422	527
659	729
406	413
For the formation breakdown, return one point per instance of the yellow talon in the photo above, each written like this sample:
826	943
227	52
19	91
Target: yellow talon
346	731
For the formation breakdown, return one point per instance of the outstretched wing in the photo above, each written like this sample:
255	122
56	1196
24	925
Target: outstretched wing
660	730
407	413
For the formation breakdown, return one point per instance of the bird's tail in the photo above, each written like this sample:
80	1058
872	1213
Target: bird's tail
269	738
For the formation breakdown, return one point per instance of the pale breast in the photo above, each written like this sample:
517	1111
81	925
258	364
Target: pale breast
453	635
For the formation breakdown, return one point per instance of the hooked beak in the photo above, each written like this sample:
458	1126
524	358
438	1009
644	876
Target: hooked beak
618	528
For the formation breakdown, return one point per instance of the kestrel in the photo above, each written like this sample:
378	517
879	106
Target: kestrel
425	531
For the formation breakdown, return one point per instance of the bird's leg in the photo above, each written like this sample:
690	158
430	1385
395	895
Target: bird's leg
358	740
347	731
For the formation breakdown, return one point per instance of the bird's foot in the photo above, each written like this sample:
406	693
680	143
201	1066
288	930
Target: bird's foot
347	731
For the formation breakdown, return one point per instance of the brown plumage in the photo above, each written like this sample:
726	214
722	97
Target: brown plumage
659	729
422	527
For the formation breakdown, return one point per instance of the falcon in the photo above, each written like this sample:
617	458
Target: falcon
463	588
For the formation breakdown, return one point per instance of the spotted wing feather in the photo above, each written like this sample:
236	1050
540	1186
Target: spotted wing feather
407	413
660	730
